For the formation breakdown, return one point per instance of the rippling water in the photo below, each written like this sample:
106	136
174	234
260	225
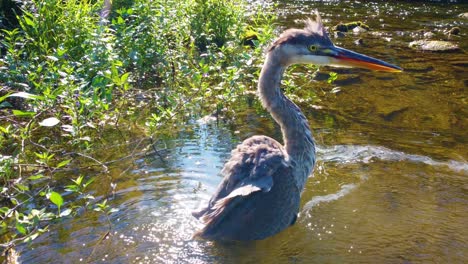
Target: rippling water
365	203
390	185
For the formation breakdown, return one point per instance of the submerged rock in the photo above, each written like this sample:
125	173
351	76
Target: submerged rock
454	31
392	114
428	35
433	45
350	26
359	29
359	41
339	34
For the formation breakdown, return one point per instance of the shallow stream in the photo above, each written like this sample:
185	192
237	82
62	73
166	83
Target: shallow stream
390	185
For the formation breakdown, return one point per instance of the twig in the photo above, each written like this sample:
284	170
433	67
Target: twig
156	150
106	169
102	238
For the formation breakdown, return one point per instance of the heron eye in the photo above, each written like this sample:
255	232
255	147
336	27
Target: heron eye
313	48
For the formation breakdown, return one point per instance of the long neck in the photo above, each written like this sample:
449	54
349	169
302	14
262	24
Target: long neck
297	137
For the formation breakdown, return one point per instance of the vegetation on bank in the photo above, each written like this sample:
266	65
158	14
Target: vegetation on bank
71	69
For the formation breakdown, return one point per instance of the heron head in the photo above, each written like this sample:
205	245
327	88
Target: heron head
311	45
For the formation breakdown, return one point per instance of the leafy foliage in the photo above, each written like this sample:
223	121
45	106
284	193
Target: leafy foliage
70	71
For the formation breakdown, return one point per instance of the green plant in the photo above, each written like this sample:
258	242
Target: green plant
66	78
333	76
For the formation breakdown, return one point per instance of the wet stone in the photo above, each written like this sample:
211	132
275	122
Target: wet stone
433	45
463	15
463	64
454	31
351	26
339	34
418	67
359	41
429	35
358	30
348	79
391	114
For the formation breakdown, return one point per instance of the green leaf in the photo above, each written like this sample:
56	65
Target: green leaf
35	177
56	198
29	21
53	58
31	238
4	130
35	212
20	227
25	95
20	113
72	188
49	122
41	155
22	187
124	77
88	182
2	98
61	51
63	163
78	180
4	210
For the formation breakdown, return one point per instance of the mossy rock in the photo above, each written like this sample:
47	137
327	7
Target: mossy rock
350	26
249	38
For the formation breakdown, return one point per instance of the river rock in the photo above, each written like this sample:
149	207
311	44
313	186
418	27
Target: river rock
359	29
433	45
339	34
428	35
463	15
350	26
359	41
454	31
391	114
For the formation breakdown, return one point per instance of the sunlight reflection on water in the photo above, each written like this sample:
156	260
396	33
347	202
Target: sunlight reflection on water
368	202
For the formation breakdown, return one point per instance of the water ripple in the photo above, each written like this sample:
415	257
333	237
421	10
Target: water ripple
345	189
366	154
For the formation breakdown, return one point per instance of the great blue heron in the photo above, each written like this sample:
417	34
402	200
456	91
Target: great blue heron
260	193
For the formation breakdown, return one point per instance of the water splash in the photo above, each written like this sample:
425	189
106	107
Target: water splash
366	154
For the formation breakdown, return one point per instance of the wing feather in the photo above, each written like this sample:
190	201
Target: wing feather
249	170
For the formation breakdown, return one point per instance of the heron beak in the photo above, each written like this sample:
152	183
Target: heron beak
347	58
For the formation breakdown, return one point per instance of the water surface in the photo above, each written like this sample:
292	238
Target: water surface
390	185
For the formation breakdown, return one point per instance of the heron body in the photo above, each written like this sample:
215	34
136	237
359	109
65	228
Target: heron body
259	195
